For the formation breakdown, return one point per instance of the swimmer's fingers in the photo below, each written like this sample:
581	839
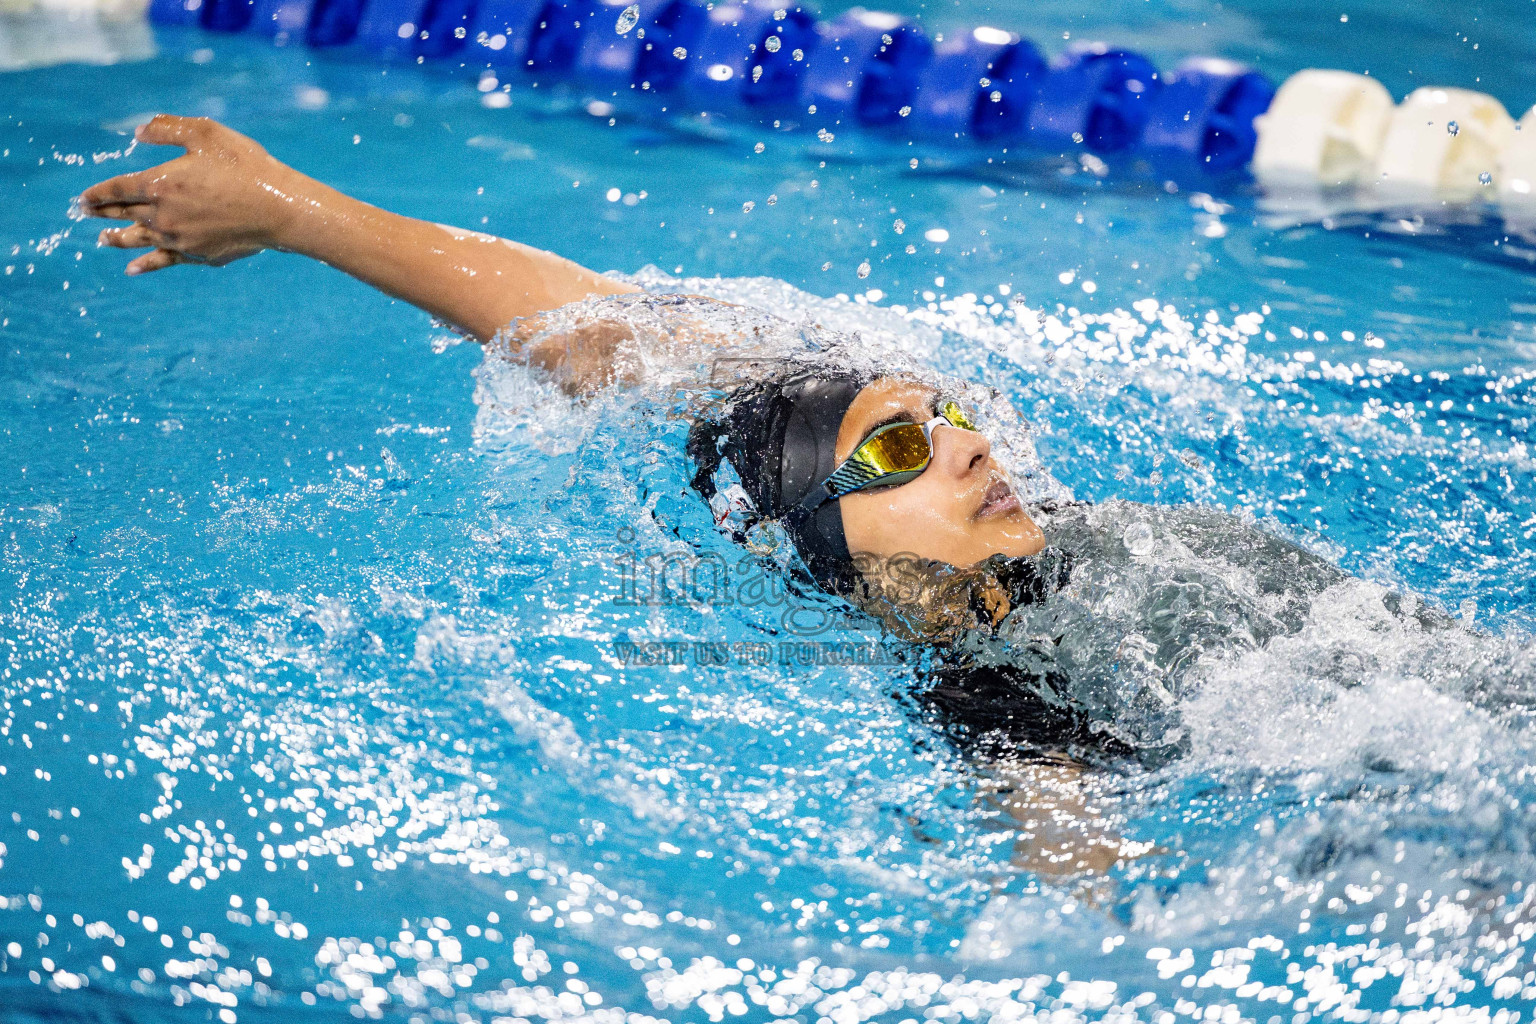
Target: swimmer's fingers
134	236
191	133
157	260
108	198
140	212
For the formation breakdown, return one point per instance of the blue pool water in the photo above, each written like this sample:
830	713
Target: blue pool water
313	619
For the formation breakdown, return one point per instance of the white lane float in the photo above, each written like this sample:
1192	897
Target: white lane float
1442	145
40	33
1517	178
1324	129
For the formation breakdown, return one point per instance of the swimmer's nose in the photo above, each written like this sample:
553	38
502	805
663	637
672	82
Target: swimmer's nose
958	452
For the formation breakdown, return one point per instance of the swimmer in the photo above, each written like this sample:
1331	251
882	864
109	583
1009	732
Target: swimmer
857	465
893	498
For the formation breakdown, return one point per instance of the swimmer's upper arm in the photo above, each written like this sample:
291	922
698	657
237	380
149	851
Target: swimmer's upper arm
511	281
599	351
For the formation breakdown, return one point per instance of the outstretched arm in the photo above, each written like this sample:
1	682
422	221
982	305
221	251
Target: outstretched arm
226	198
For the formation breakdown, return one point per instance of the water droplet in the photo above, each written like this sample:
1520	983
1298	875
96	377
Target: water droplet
899	226
1138	539
1343	19
827	265
759	148
1468	610
824	135
797	53
628	19
1485	178
863	270
1077	137
911	249
746	207
904	111
681	53
757	72
772	44
1453	127
885	37
772	200
780	14
996	96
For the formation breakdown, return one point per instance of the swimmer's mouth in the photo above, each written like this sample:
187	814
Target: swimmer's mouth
998	501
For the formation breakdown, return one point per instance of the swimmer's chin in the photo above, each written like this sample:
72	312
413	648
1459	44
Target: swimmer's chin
1014	532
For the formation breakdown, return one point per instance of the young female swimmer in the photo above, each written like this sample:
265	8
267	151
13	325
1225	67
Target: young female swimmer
226	198
864	472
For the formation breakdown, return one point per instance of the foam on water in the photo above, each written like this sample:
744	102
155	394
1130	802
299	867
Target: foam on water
1345	822
1372	749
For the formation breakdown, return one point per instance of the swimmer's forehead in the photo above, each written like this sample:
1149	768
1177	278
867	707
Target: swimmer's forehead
883	399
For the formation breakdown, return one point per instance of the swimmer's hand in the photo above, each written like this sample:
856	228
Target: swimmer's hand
227	198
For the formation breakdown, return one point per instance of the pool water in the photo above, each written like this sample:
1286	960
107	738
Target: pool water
319	629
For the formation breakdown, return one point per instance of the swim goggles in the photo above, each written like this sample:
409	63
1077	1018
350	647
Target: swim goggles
892	455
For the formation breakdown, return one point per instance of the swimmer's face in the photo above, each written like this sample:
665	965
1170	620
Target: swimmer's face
961	510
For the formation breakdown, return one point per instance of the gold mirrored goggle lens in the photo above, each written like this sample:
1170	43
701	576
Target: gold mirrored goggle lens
892	455
951	411
899	448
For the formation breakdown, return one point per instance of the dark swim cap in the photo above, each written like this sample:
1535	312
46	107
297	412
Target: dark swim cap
781	437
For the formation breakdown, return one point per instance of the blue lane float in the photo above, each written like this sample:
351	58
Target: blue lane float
978	85
500	31
392	28
174	12
333	23
865	67
677	25
273	18
1202	120
758	58
280	19
556	37
444	28
234	16
1093	97
610	50
745	54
